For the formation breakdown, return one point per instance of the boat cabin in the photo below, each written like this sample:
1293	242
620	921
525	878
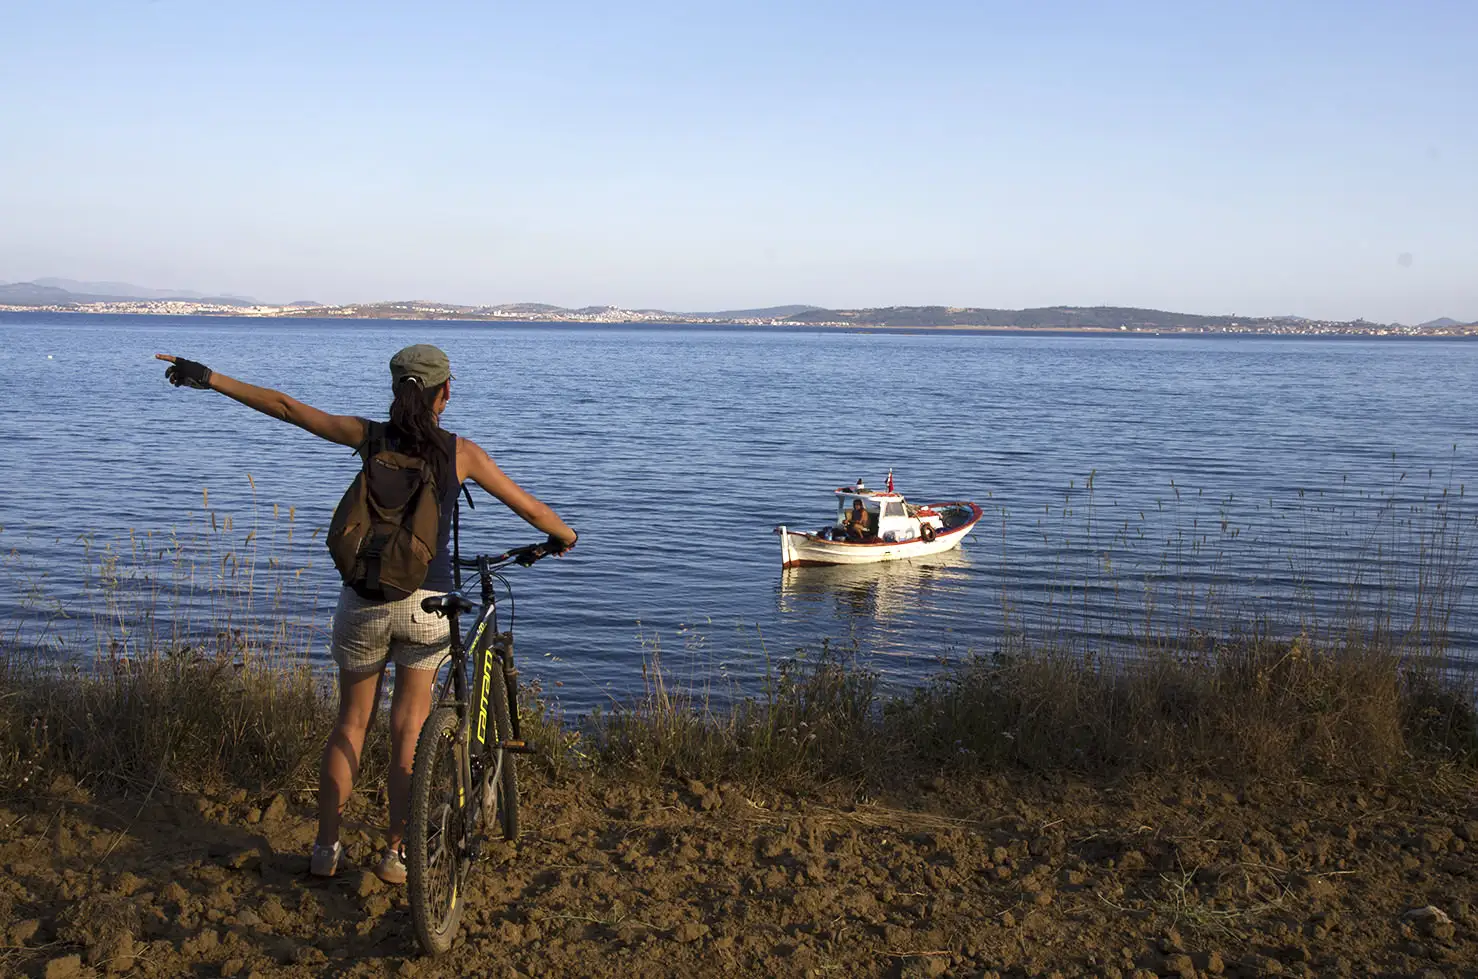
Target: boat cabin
888	516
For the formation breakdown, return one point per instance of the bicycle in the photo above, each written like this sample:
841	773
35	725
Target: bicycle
463	777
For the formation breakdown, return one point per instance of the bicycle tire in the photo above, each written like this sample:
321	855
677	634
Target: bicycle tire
507	795
435	856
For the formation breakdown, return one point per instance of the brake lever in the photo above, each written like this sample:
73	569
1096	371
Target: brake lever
527	558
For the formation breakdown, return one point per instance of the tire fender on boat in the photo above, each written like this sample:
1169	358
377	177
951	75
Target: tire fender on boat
926	531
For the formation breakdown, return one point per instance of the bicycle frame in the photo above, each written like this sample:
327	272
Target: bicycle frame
479	649
486	643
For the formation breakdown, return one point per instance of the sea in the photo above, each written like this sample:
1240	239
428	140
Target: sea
1141	492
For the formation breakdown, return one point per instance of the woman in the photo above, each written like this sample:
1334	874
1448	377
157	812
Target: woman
368	633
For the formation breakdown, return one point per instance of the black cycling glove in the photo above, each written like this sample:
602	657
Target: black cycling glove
556	546
188	374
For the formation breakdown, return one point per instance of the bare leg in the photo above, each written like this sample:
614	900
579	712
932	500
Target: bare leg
358	695
409	706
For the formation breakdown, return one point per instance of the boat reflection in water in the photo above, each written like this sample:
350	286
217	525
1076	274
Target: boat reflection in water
895	592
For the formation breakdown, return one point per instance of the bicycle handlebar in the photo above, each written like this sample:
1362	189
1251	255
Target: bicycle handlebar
523	556
455	602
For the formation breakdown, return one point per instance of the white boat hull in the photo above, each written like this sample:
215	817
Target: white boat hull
799	550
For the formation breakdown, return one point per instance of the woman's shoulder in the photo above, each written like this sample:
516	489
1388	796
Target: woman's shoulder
466	446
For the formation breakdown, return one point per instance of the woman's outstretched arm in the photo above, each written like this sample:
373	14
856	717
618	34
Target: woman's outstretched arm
343	429
475	464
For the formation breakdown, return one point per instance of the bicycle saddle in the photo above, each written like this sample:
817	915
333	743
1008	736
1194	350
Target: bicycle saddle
451	602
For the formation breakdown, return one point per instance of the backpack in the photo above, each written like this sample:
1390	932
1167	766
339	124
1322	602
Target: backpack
383	533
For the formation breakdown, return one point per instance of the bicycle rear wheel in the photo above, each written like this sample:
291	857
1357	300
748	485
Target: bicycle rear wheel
436	858
501	781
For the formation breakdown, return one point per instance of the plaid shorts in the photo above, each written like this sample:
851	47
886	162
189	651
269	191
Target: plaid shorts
367	633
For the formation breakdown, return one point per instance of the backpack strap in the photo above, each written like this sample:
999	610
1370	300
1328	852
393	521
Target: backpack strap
375	436
376	439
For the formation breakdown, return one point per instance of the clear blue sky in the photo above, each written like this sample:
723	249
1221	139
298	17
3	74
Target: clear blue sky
1257	158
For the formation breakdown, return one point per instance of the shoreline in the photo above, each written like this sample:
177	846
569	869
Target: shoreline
743	326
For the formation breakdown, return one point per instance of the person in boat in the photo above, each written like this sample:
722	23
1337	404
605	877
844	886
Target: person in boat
855	524
367	632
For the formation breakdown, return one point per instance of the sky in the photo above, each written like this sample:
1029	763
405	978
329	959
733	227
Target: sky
1309	158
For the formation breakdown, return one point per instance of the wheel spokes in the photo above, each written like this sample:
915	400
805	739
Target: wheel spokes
444	841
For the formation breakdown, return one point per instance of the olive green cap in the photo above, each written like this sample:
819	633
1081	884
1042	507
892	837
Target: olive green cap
422	361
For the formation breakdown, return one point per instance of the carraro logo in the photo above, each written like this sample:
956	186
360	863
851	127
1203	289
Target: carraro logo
487	685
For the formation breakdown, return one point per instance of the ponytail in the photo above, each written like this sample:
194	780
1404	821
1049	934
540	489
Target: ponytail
413	422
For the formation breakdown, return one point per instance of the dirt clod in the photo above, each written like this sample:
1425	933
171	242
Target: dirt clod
1178	964
22	932
690	931
63	967
366	883
276	808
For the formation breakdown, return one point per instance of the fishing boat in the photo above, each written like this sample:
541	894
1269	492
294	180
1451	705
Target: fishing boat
878	525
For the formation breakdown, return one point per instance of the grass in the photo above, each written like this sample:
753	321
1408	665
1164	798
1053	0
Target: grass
1248	709
1258	709
181	718
148	697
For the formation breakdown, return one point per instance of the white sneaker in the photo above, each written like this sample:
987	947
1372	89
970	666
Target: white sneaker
326	859
392	866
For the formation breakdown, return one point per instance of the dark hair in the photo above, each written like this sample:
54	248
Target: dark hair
413	423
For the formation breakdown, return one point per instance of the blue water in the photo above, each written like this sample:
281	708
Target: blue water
1230	476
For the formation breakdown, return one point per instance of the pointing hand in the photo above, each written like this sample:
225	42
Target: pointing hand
186	373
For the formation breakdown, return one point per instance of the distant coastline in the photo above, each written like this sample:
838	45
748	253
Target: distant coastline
1053	319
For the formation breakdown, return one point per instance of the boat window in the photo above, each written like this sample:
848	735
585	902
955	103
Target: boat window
893	510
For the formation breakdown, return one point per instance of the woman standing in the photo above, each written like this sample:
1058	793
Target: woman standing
367	632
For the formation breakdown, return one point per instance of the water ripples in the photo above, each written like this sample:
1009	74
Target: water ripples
1231	477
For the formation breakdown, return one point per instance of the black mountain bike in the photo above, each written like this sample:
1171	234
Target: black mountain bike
463	781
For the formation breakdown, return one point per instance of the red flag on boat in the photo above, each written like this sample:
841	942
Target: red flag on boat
890	480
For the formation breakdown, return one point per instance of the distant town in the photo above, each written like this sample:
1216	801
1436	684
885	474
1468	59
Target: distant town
50	295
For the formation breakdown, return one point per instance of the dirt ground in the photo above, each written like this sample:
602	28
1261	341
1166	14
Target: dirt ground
1001	878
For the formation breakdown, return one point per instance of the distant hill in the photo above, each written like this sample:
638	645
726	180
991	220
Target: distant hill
72	293
535	308
130	291
1044	318
765	313
60	292
31	294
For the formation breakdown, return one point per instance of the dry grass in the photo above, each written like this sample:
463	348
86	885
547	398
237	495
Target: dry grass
813	719
185	719
208	717
1246	709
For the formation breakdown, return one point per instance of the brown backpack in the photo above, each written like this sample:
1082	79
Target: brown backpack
383	534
